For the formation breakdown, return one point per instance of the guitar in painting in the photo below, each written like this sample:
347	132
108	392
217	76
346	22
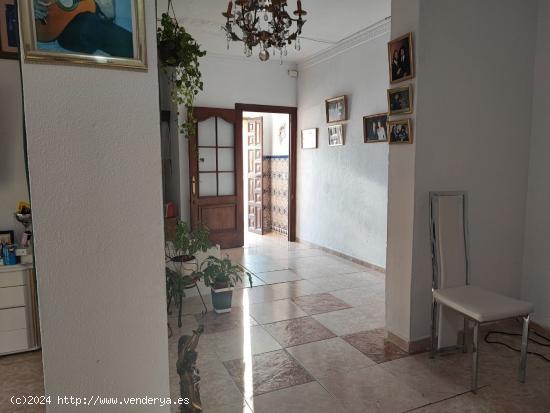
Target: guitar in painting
59	14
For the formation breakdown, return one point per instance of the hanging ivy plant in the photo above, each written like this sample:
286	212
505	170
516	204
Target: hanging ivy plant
179	56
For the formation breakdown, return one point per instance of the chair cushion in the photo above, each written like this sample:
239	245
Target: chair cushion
481	305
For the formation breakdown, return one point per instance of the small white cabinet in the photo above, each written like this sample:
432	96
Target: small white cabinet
19	330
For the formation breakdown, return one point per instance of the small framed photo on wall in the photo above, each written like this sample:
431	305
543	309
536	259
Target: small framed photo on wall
400	131
336	109
9	33
400	100
375	128
336	135
401	58
309	138
7	237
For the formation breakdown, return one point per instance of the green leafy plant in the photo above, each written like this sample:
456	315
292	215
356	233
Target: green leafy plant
181	264
222	273
179	55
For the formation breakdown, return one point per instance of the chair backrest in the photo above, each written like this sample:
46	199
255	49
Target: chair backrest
449	236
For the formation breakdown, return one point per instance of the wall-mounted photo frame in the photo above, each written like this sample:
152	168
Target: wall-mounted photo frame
400	100
309	138
336	109
375	128
9	32
400	131
85	32
7	237
401	58
336	135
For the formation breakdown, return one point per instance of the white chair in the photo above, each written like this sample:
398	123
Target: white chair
451	287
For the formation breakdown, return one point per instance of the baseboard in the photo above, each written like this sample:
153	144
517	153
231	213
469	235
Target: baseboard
411	347
342	255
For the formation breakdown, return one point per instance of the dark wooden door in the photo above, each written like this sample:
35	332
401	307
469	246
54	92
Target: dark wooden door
215	170
254	138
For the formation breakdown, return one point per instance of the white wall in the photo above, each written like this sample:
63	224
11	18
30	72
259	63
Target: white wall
95	174
342	191
13	180
230	80
473	115
400	219
536	262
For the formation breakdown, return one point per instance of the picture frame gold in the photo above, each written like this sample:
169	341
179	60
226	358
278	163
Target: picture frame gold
405	41
399	140
370	137
394	91
343	116
33	54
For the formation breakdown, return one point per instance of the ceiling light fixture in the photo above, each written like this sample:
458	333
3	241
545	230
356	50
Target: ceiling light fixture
263	23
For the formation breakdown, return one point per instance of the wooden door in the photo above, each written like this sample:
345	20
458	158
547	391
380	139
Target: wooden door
215	171
254	138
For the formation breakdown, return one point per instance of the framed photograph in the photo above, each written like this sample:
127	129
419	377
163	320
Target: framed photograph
400	131
400	100
9	33
309	138
103	33
7	237
375	128
336	135
337	109
401	58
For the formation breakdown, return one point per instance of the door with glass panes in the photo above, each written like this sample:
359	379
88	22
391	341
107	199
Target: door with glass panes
215	165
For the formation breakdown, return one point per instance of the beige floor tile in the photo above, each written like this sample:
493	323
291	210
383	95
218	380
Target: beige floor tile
274	277
435	379
270	312
328	357
231	345
353	320
372	389
361	296
305	398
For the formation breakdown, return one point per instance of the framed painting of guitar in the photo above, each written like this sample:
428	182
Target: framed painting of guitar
9	36
105	33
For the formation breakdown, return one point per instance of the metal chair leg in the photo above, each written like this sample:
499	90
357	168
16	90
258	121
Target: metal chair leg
433	348
475	359
202	299
524	345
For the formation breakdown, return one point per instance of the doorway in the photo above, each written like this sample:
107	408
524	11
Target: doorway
269	176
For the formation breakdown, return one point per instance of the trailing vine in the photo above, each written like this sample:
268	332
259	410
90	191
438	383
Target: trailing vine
179	55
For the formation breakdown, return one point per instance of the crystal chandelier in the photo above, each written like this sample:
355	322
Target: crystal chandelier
263	23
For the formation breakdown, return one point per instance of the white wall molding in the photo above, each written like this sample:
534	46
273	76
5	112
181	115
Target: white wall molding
274	60
367	34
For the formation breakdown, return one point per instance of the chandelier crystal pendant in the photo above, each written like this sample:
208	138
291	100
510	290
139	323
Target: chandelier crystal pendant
263	23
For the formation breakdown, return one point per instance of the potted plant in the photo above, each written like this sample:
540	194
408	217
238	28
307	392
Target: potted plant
181	263
179	57
221	275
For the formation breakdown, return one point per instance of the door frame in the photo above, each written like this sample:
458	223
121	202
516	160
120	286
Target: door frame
292	154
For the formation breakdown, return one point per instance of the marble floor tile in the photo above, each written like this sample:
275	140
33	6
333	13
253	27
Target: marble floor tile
217	323
305	398
273	311
372	389
20	375
374	345
298	331
435	379
270	372
320	303
329	357
352	320
273	277
334	282
245	283
230	408
361	296
231	345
